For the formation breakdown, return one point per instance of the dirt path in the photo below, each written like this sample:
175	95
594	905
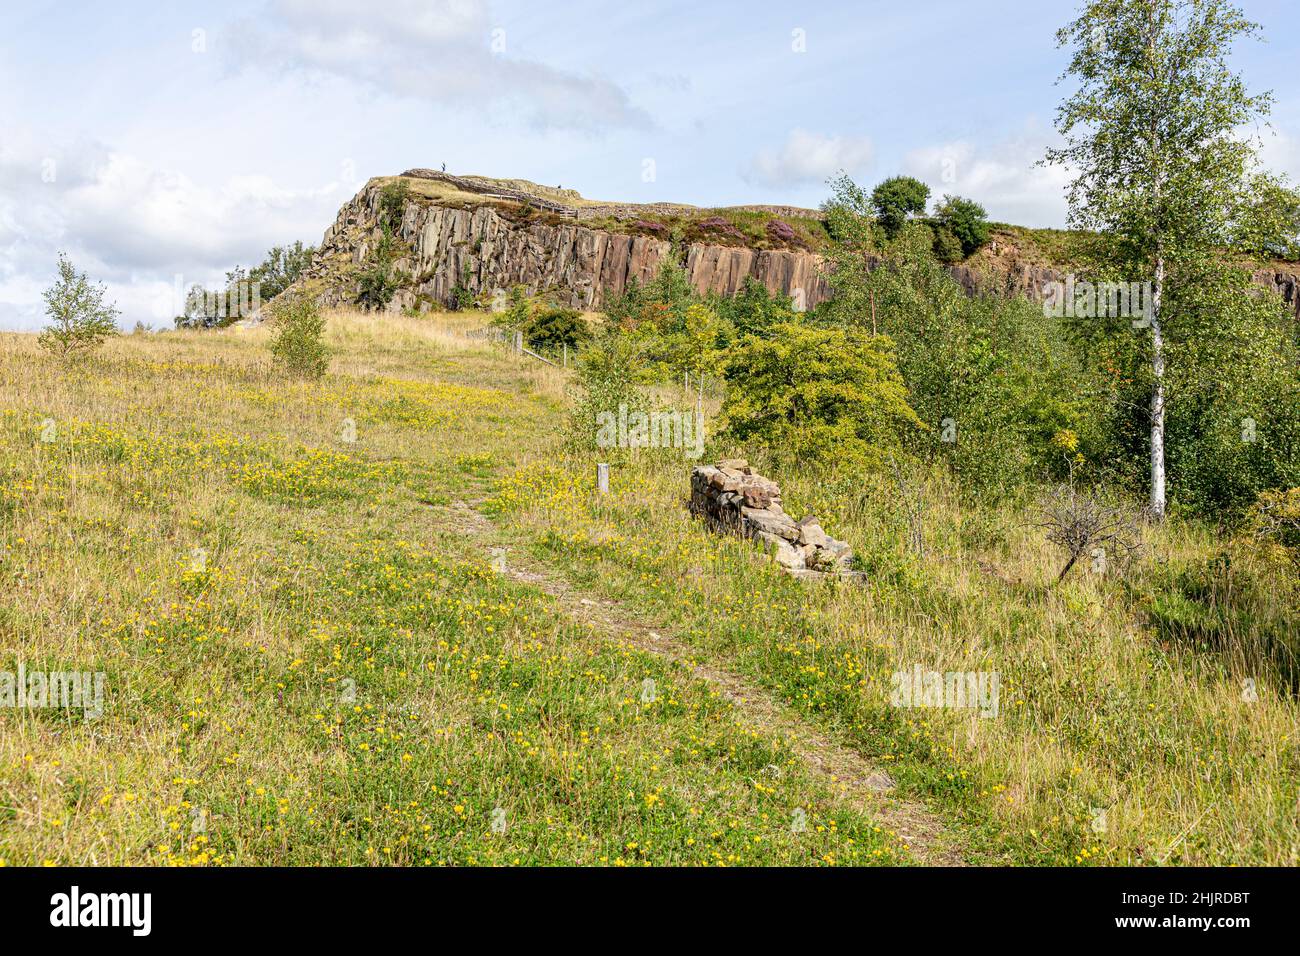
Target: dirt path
851	777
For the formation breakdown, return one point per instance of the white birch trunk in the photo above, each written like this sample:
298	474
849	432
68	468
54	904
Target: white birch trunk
1157	396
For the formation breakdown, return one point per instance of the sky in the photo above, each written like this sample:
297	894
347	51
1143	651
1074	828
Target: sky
159	146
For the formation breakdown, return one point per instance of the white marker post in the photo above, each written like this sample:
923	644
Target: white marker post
602	478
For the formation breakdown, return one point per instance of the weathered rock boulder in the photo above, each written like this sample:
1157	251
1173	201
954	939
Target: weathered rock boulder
733	499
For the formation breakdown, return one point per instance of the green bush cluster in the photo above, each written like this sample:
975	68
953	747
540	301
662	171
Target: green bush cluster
297	342
245	289
825	395
547	329
554	329
999	391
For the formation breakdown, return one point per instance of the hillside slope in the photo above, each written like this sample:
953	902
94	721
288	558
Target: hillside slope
309	654
385	618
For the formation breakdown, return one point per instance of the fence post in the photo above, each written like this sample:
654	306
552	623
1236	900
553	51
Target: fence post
566	354
602	478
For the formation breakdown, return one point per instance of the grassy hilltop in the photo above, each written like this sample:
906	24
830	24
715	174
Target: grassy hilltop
436	644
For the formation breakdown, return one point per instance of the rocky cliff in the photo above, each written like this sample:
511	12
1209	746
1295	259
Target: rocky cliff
482	236
486	237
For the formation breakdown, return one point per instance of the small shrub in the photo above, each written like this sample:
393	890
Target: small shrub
1081	524
780	231
553	329
80	319
515	314
1275	518
720	225
376	286
297	344
392	203
461	296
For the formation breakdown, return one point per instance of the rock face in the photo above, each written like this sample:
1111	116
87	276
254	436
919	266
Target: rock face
723	269
733	499
489	247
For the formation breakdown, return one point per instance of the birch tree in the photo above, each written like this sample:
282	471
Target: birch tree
1153	134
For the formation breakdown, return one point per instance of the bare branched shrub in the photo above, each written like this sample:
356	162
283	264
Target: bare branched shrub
914	504
1080	523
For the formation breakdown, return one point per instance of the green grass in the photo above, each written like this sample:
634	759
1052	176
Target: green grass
1099	714
311	660
309	657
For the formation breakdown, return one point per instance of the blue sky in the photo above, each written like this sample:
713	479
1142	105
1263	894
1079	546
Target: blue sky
155	142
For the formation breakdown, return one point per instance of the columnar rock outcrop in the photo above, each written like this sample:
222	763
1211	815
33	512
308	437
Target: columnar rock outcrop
486	248
733	498
495	234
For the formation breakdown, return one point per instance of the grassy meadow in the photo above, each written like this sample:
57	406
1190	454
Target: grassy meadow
385	619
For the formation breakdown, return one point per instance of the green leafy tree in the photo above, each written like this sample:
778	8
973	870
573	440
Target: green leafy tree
947	247
516	312
622	308
376	282
966	220
245	290
1152	131
818	395
669	294
898	199
993	378
611	372
280	269
1270	227
297	342
80	319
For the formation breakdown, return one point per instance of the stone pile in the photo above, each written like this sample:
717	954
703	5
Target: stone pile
733	498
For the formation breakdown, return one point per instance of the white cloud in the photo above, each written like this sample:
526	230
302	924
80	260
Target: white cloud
807	157
449	52
137	227
1000	176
